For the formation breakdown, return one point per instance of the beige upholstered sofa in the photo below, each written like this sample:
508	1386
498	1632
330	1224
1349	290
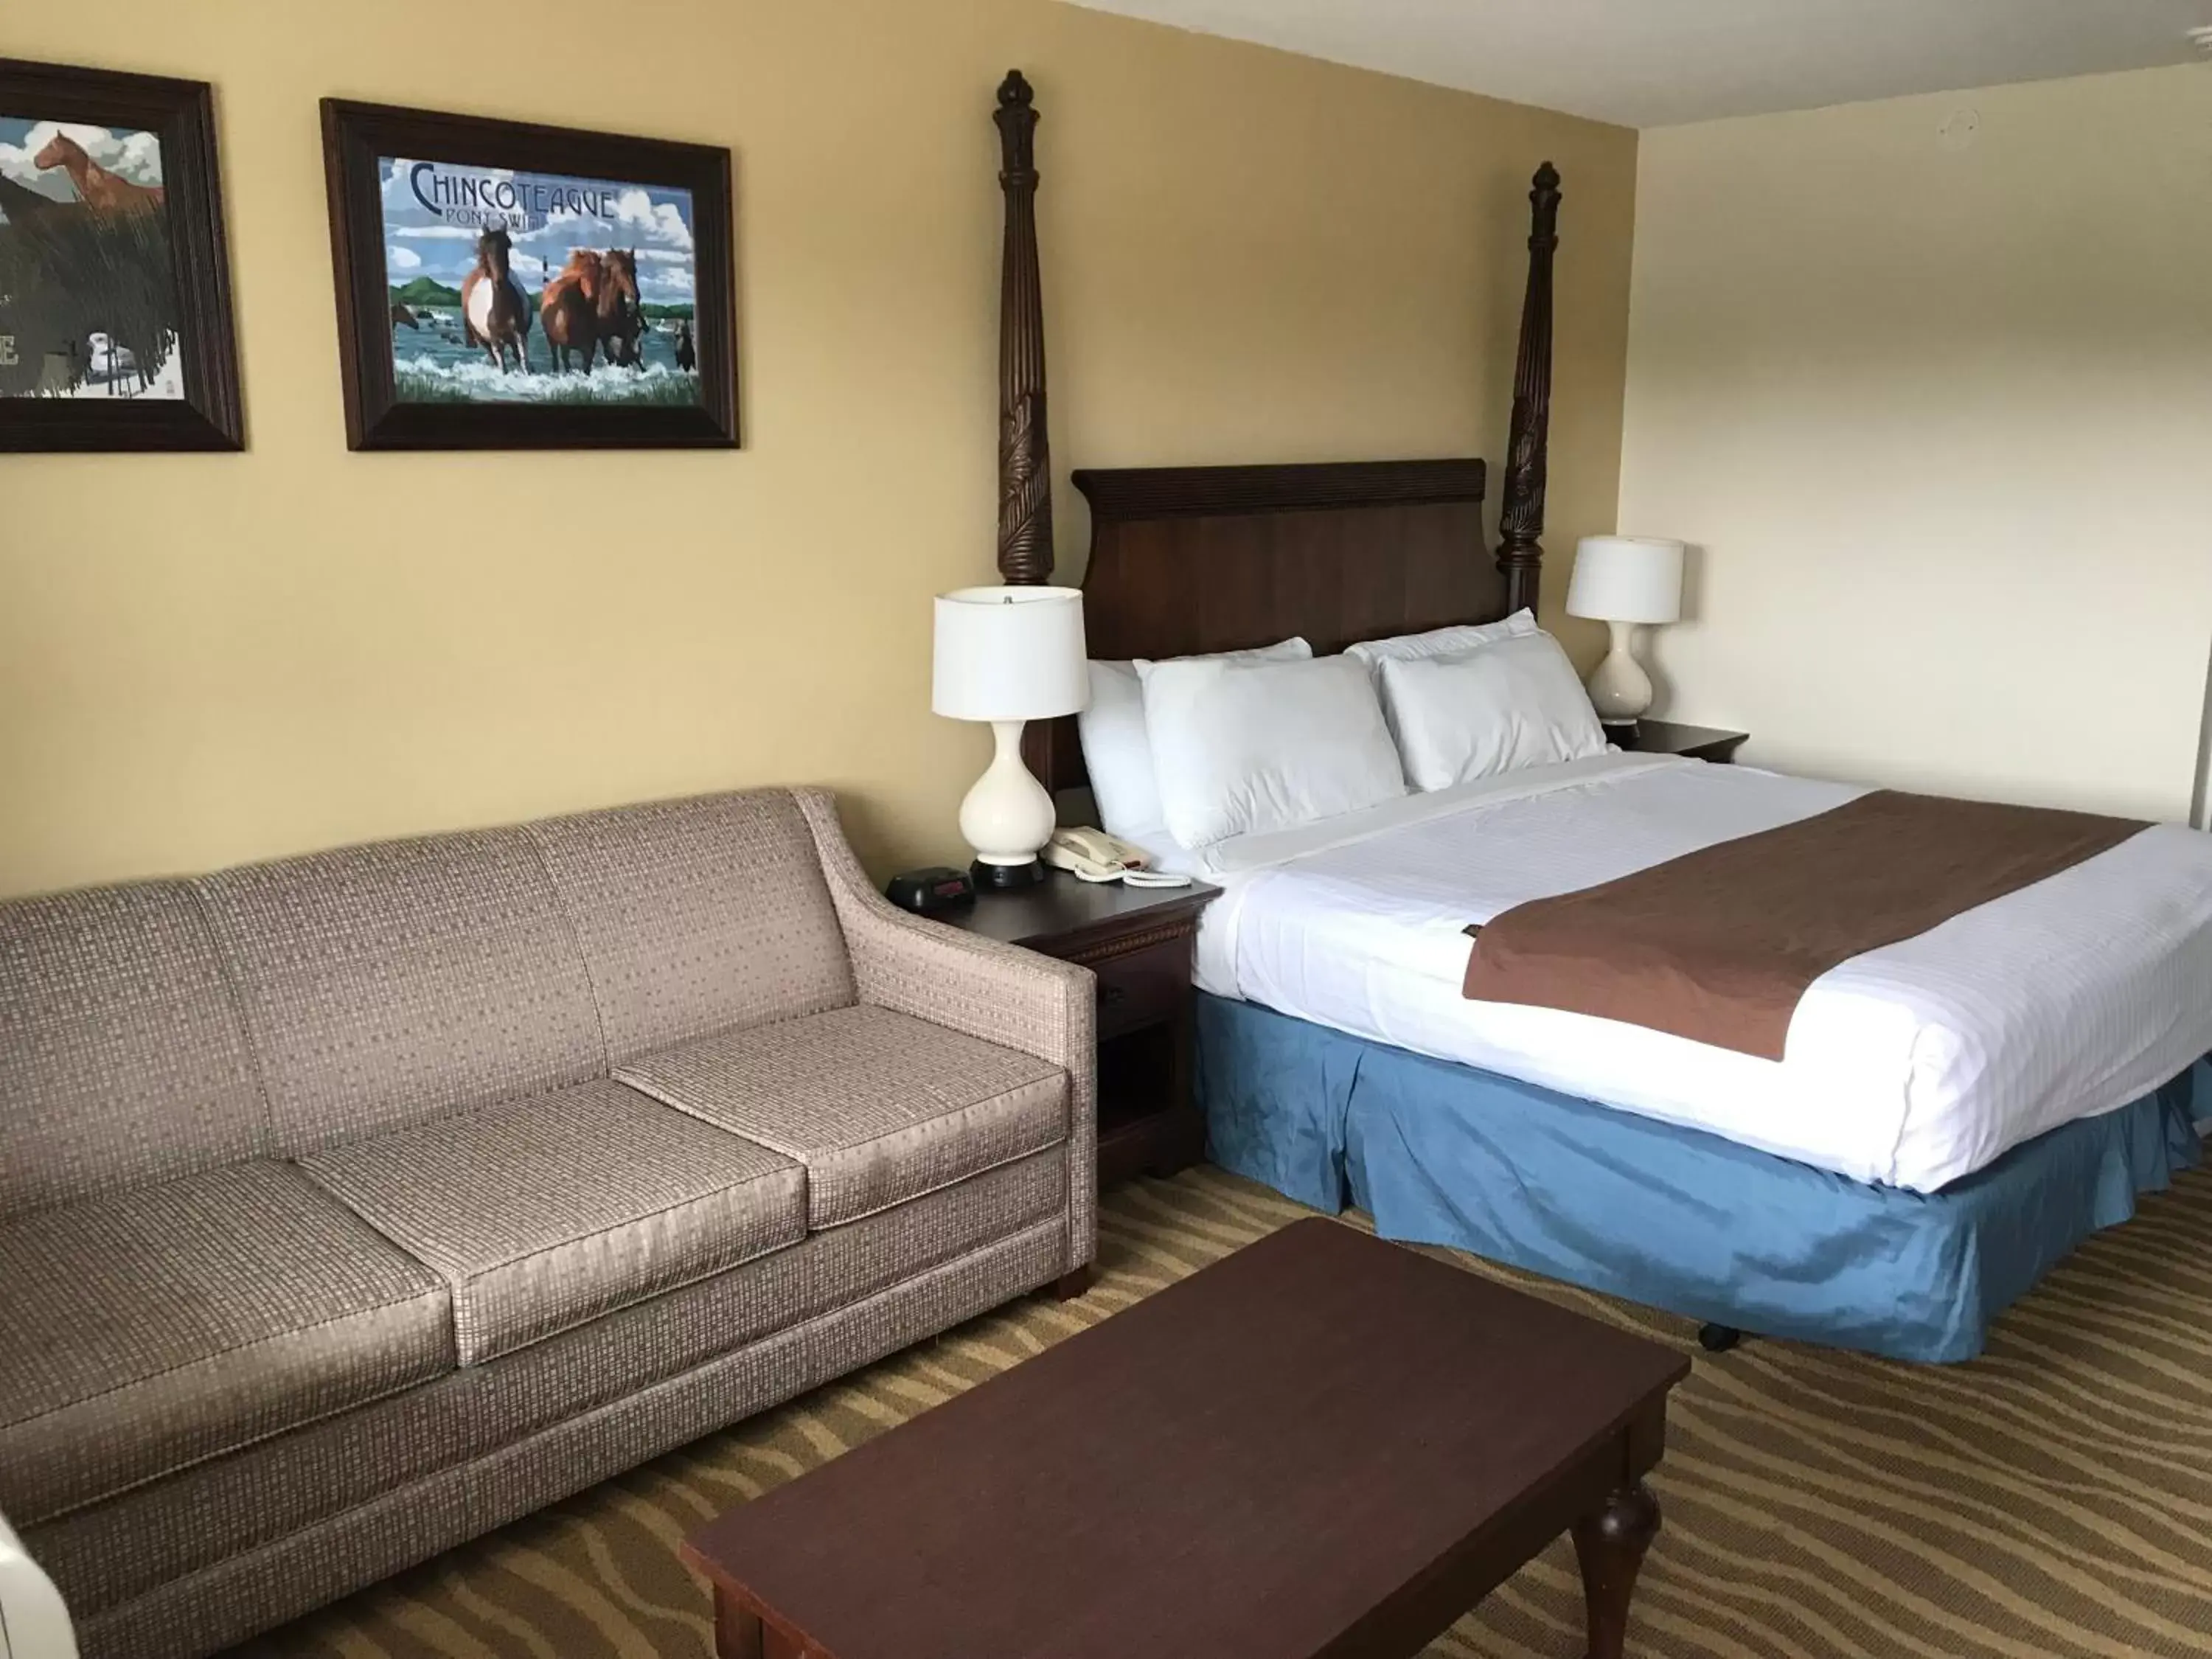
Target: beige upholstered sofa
354	1205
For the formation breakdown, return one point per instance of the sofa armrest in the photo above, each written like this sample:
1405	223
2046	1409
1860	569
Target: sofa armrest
999	993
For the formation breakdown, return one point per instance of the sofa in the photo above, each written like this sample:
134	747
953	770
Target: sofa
354	1205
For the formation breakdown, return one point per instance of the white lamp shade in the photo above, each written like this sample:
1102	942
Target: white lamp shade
1626	579
1010	653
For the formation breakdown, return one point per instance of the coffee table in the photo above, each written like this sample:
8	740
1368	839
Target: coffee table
1322	1445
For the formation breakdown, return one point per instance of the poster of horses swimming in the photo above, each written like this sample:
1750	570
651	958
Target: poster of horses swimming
536	287
512	286
113	309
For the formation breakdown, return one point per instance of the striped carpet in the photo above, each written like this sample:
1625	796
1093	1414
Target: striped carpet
2053	1498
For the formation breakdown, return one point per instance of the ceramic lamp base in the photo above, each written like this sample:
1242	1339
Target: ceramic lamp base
1620	690
1008	815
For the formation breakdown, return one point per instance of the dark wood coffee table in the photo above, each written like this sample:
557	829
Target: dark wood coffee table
1322	1445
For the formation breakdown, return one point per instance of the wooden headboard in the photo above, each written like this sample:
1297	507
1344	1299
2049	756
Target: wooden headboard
1221	558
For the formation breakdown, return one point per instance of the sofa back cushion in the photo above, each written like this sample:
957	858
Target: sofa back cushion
388	985
121	1058
698	916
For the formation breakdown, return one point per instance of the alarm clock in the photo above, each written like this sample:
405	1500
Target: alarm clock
939	887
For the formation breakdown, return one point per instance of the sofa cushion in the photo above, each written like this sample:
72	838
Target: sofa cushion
698	916
548	1212
122	1061
880	1106
143	1331
121	1550
385	986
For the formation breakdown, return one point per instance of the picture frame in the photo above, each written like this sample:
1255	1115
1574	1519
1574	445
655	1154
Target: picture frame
507	285
116	331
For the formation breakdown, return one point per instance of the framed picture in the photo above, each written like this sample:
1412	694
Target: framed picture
505	286
115	326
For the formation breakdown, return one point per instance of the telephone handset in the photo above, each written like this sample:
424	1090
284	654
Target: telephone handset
1094	855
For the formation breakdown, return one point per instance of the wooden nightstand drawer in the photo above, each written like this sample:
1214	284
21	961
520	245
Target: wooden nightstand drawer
1142	987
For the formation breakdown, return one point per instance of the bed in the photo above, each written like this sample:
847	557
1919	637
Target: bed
1954	1114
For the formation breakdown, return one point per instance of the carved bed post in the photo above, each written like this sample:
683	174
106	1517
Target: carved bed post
1521	518
1024	454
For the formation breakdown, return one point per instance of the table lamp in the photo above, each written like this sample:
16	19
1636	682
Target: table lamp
1008	655
1625	582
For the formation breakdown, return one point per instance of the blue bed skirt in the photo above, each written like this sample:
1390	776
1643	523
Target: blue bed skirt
1440	1153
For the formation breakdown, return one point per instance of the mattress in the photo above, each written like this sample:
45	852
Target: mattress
1913	1065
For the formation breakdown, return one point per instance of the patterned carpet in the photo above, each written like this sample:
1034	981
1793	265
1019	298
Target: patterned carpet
2053	1498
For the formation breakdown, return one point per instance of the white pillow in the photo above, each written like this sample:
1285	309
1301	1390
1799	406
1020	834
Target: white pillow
1119	756
1241	747
1513	703
1442	642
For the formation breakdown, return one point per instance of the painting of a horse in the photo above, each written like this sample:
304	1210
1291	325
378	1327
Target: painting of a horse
89	299
591	308
478	256
494	314
619	307
101	191
116	331
569	310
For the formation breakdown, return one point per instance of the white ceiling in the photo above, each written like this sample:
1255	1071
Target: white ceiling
1655	63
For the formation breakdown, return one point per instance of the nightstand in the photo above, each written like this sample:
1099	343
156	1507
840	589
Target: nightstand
1706	743
1138	941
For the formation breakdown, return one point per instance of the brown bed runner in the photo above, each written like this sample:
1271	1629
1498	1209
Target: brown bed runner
1718	946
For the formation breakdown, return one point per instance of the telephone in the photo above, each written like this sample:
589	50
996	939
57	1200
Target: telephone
1094	855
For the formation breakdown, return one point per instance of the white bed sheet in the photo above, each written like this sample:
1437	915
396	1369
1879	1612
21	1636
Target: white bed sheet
1913	1065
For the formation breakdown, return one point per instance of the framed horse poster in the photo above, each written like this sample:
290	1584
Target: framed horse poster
507	286
115	325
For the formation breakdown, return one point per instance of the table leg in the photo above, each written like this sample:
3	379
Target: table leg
1610	1545
740	1634
737	1629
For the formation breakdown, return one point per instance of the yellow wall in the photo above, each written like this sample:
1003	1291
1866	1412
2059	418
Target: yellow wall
1247	256
1939	415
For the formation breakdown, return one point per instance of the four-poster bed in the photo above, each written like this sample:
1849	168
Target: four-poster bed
1688	1181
